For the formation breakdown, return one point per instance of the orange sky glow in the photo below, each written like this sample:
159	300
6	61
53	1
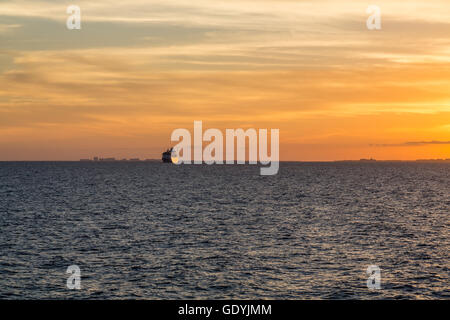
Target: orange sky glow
139	69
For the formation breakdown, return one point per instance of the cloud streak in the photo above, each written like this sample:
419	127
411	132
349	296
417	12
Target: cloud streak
412	144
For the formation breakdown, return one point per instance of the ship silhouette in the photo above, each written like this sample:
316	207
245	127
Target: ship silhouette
167	156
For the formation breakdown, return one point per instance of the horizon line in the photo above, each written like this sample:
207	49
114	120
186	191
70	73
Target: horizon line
362	160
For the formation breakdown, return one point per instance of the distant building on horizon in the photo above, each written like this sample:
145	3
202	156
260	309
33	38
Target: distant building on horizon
112	159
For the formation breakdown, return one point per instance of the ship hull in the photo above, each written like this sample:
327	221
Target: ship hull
167	157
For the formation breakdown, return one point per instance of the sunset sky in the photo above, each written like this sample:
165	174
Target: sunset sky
139	69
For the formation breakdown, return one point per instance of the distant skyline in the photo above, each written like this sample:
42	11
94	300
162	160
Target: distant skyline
139	69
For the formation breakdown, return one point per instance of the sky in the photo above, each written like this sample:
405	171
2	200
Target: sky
139	69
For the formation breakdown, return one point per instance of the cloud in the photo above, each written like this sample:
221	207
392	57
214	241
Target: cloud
4	28
412	144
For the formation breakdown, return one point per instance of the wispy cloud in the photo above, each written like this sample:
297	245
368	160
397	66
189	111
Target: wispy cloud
412	144
8	27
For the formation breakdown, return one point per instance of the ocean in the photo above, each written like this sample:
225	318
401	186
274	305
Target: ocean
148	230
